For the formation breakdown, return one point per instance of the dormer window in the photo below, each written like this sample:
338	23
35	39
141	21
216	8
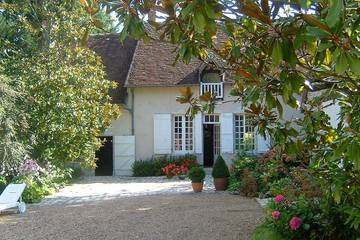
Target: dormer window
212	81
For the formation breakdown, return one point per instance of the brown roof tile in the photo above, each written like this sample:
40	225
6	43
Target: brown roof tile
117	58
153	66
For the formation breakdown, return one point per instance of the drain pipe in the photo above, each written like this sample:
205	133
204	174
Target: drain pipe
132	112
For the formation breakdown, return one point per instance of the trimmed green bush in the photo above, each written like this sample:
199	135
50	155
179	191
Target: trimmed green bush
220	169
196	174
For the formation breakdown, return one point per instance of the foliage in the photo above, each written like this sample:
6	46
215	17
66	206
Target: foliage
3	183
196	174
12	125
263	232
283	186
153	167
248	184
220	169
310	50
250	165
298	219
66	105
41	181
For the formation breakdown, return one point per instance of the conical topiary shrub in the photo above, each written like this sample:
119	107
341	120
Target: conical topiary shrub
220	174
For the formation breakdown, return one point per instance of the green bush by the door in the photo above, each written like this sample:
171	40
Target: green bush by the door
220	169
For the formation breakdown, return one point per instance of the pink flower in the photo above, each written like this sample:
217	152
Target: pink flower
295	223
276	215
279	198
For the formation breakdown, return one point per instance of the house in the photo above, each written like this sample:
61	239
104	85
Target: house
153	123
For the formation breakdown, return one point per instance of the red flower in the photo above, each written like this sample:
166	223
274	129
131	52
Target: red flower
276	215
295	223
279	198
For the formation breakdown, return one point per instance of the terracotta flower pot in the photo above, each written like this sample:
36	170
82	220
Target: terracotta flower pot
197	186
221	184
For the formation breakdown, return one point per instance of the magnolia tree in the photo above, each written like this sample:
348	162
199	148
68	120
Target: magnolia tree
300	53
64	89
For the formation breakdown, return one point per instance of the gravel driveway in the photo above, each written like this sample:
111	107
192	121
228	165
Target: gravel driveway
193	216
89	189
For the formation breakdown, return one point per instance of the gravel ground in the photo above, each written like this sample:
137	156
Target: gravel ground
90	189
193	216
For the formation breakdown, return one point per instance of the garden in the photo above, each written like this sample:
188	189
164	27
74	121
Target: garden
280	54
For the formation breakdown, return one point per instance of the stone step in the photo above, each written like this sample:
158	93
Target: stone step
208	170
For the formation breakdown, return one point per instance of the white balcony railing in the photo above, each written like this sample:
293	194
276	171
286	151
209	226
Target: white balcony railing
216	89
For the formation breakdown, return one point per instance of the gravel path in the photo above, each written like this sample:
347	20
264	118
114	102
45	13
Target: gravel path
193	216
90	189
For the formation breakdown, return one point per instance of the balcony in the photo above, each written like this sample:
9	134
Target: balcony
216	89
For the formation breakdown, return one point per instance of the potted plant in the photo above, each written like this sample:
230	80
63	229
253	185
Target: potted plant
197	175
220	174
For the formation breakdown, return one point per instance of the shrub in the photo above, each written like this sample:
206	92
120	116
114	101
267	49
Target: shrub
154	167
295	219
220	169
41	181
196	174
242	164
283	186
266	233
248	185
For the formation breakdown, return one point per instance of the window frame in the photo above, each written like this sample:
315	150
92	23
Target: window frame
240	146
185	128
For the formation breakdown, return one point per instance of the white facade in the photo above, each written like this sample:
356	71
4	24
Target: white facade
154	112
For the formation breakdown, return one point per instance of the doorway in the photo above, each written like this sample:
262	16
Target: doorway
105	158
211	143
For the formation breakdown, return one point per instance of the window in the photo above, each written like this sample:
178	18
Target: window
183	133
211	81
211	118
244	133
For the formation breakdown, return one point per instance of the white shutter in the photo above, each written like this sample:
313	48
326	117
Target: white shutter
162	133
227	132
198	132
262	144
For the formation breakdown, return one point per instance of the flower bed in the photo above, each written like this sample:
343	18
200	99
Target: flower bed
156	166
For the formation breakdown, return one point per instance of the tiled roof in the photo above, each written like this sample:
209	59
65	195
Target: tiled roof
117	58
153	66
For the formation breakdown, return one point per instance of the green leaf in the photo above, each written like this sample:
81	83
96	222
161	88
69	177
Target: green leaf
209	11
306	226
288	53
199	21
334	12
235	52
276	53
354	64
279	108
186	11
296	82
291	148
270	100
353	152
355	25
337	196
299	40
317	32
341	64
324	46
